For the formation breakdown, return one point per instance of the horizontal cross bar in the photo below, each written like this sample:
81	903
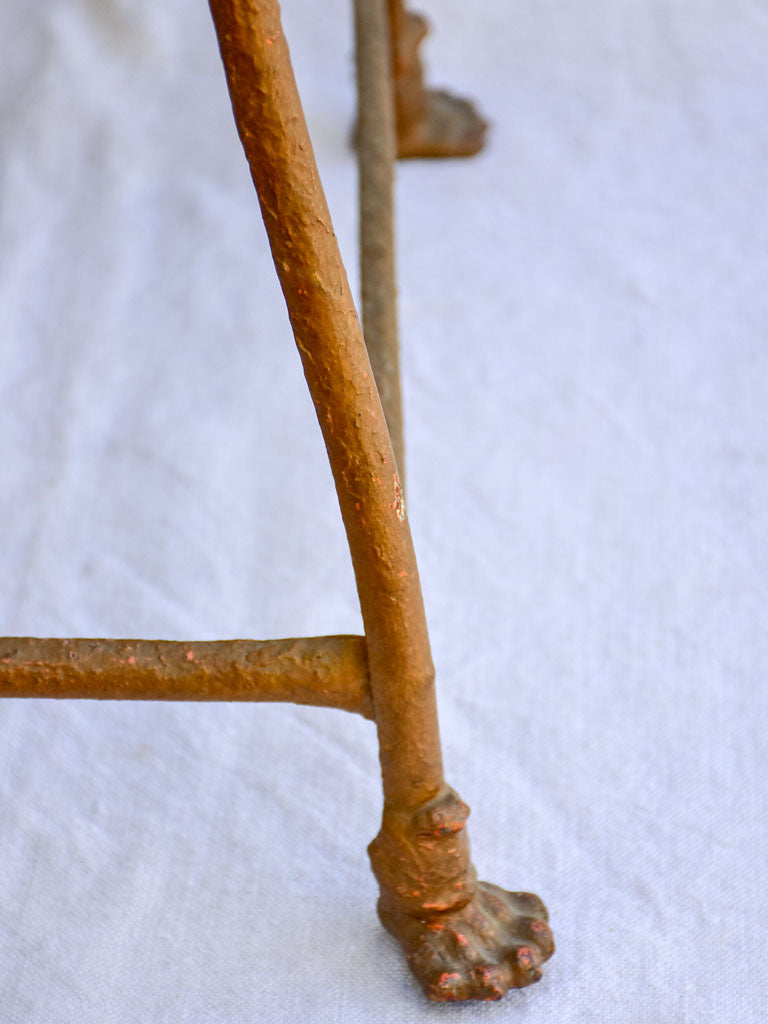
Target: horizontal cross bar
328	671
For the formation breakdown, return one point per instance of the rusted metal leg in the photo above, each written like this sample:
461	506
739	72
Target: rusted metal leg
271	124
326	671
430	122
462	939
375	160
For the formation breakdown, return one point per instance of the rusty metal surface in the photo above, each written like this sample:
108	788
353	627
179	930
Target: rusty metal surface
375	162
329	671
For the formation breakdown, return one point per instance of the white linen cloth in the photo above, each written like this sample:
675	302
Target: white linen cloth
585	363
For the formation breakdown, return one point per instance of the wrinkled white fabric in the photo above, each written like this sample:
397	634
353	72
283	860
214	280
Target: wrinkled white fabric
585	362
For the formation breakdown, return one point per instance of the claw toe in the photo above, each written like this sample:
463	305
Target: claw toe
539	933
526	966
448	987
492	980
529	903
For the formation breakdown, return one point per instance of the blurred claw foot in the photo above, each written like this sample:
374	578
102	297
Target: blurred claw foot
449	127
497	941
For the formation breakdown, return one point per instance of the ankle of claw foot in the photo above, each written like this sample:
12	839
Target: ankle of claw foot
421	859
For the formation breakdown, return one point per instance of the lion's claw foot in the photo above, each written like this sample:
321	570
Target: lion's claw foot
496	941
463	939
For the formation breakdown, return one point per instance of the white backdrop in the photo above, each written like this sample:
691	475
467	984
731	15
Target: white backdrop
584	313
